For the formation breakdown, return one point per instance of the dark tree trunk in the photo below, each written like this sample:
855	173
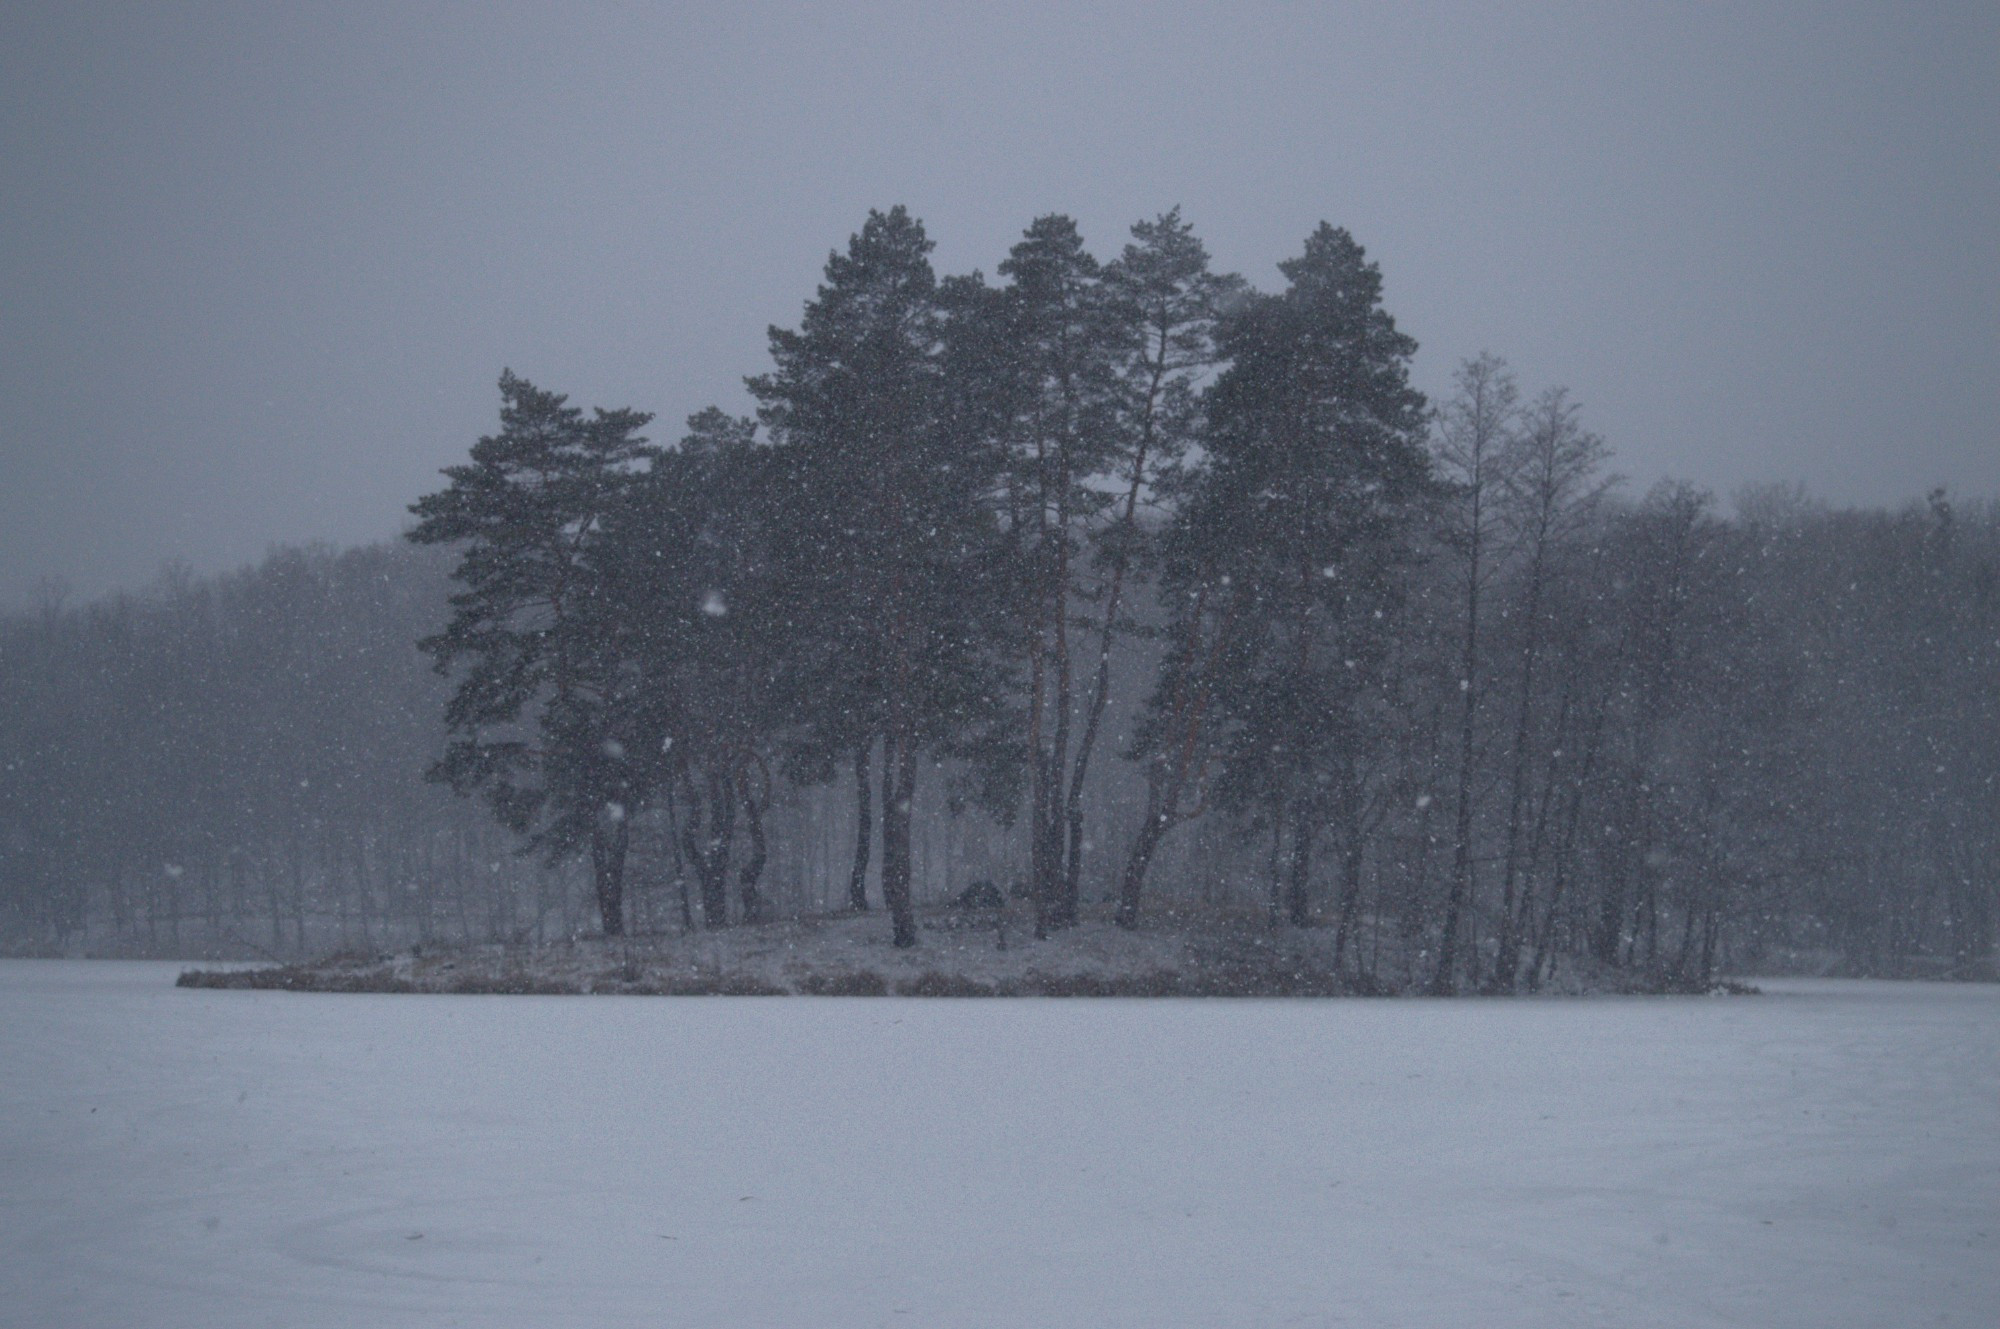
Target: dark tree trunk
680	864
1274	870
1092	721
1608	933
708	849
1685	976
857	880
1164	787
1459	898
755	908
1507	956
1055	903
1144	845
1298	899
1167	779
607	865
1073	806
1063	881
899	784
1353	854
1523	864
1565	854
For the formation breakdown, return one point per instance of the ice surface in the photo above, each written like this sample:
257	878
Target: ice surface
1825	1155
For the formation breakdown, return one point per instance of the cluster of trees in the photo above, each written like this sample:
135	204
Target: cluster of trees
1117	583
945	519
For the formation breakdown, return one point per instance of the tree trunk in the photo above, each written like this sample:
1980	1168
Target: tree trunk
1144	845
1297	897
1565	855
1274	870
755	909
1459	898
1063	881
899	784
674	837
1040	874
607	865
1684	975
1166	780
708	849
1352	857
1507	956
857	880
1608	934
1093	720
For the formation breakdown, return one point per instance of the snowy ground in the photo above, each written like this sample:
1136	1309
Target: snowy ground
961	953
1827	1154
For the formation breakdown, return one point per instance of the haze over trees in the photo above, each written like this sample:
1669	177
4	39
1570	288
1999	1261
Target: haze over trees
1117	587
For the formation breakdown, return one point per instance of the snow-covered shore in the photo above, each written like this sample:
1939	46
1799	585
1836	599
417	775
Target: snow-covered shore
961	954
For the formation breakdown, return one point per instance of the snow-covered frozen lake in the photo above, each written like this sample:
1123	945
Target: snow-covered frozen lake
1825	1155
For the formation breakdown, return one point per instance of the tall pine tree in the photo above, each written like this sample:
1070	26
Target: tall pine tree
538	717
887	536
1280	569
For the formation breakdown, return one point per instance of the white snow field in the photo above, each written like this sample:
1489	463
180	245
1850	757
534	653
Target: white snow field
1827	1154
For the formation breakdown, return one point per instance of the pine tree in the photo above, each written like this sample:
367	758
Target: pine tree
537	718
1280	569
887	536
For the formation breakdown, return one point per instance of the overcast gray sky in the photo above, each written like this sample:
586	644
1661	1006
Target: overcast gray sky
261	265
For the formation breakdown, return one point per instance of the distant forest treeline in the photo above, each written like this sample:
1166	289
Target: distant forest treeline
1115	586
